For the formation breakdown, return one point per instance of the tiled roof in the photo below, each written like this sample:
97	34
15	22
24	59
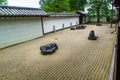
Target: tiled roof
81	12
54	14
20	11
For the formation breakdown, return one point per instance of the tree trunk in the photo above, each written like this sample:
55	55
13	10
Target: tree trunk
98	15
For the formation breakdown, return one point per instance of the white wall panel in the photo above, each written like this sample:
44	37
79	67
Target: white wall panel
14	31
49	22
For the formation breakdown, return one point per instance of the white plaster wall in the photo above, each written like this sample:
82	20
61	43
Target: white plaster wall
49	22
101	19
13	31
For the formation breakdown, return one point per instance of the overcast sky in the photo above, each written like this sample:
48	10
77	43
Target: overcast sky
24	3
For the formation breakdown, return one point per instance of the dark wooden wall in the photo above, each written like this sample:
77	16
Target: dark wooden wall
118	56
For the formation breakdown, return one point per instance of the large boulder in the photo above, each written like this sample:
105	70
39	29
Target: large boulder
80	27
72	28
98	24
48	48
92	35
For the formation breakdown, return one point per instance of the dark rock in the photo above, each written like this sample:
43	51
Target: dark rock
92	36
72	28
48	48
98	24
81	27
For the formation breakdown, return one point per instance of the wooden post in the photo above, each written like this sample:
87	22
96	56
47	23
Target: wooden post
119	23
76	24
42	26
62	26
70	25
54	29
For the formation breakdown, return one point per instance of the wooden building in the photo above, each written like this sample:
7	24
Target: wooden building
116	3
19	24
115	65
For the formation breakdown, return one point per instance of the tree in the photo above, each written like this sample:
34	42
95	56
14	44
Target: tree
56	5
3	2
113	12
45	5
62	5
77	4
42	2
98	9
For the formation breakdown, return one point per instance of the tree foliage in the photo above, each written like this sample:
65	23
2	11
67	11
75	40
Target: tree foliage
3	1
98	9
77	4
56	5
62	5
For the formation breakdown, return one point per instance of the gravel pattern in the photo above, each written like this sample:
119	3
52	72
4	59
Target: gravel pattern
76	59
